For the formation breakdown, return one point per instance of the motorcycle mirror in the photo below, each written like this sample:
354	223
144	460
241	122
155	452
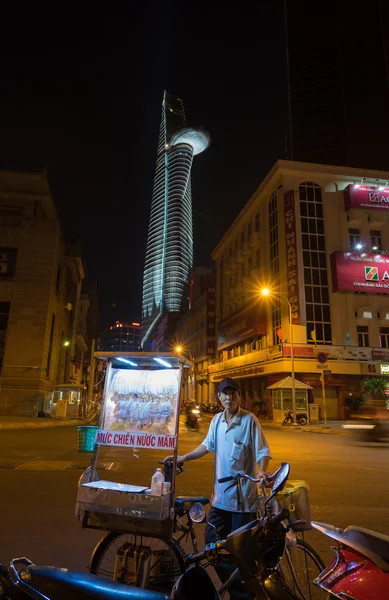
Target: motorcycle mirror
197	512
281	477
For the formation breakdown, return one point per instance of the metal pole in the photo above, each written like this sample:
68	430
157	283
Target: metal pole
292	361
323	388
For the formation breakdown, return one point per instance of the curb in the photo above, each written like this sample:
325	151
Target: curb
322	430
42	424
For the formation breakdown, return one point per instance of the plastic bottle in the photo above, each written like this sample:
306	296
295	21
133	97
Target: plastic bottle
157	482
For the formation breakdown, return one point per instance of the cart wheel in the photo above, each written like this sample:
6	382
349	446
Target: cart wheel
160	574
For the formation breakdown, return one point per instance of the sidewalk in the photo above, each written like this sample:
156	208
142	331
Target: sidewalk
333	427
38	423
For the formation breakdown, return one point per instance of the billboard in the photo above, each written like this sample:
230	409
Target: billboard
140	408
242	324
367	197
360	272
291	255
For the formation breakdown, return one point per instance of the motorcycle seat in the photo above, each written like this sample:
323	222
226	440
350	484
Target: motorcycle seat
371	540
185	502
61	584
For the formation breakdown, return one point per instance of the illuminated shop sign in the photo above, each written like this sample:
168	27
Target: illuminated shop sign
367	197
360	272
242	325
384	369
291	255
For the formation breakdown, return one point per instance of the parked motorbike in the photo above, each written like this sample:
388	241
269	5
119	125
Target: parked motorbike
256	548
360	568
301	418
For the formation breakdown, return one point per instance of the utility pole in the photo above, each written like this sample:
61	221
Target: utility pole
91	373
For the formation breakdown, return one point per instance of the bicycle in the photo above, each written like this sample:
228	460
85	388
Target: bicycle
300	564
166	557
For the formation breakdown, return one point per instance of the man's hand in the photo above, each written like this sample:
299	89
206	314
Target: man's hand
264	475
180	459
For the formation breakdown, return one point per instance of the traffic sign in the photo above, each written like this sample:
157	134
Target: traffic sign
322	357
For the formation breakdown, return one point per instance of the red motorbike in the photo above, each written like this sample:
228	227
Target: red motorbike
360	568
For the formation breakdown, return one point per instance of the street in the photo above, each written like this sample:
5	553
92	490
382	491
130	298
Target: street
39	470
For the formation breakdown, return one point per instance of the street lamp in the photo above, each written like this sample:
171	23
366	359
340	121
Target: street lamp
266	292
181	350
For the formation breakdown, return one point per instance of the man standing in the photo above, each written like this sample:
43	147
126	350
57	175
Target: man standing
237	440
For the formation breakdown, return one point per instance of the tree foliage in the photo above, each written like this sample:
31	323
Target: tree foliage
374	385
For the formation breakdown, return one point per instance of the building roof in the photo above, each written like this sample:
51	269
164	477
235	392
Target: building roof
273	180
286	384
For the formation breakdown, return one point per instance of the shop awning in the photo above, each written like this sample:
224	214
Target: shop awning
287	384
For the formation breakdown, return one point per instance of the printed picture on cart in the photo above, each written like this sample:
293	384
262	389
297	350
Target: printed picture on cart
144	401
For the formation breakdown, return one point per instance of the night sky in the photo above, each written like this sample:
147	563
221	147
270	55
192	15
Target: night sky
80	93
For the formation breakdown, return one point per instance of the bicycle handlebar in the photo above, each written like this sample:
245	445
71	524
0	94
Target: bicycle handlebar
243	476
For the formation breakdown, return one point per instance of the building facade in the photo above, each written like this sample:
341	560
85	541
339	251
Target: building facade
43	313
317	236
123	337
195	334
169	253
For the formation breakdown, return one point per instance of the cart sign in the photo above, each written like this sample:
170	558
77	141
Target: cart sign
140	409
367	197
360	272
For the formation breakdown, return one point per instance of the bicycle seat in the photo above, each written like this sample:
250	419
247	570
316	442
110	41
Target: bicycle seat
371	540
62	584
185	502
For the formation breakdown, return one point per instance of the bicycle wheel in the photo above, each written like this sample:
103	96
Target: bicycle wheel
299	566
159	572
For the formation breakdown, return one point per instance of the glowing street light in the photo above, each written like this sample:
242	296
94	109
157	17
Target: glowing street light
268	293
67	343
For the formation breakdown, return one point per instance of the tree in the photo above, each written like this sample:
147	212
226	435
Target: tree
374	385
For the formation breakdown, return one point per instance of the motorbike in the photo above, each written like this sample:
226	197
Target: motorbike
256	549
193	418
360	567
301	418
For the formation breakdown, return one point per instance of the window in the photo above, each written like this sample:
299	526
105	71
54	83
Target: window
249	232
58	280
250	264
4	315
241	239
230	252
315	265
274	265
7	262
236	247
384	337
258	259
243	271
355	239
376	240
49	355
221	281
363	335
257	222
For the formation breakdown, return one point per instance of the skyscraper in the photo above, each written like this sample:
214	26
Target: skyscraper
169	253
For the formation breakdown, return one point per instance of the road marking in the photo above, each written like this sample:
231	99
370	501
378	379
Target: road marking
44	465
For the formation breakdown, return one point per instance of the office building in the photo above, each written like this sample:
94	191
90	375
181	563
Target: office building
169	253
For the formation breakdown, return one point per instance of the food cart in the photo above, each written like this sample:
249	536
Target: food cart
140	410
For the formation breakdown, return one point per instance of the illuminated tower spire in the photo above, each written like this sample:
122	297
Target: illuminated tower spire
169	253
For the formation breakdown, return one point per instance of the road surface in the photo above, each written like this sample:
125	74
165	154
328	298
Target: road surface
39	470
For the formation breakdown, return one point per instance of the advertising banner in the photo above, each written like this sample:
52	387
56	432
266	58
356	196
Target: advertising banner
140	408
360	272
367	197
240	325
291	255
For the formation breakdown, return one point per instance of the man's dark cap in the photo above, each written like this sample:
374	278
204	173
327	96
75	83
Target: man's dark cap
228	382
